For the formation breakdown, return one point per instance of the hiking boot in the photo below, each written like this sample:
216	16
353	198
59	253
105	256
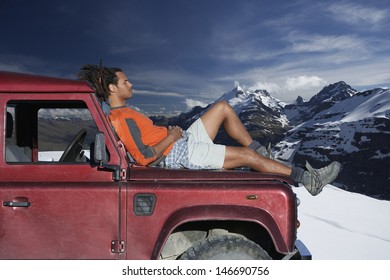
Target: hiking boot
314	180
265	151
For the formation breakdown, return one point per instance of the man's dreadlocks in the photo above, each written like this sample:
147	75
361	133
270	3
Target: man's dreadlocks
99	78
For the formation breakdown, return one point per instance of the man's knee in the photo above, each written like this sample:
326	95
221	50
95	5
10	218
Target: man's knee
246	153
224	106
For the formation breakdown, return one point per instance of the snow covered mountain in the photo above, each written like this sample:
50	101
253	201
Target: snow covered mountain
355	130
261	114
302	111
338	123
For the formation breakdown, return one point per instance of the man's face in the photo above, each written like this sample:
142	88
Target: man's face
124	87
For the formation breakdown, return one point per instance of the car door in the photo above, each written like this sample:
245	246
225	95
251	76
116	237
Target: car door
52	209
43	221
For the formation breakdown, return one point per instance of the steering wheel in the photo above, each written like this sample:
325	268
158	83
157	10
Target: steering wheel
74	148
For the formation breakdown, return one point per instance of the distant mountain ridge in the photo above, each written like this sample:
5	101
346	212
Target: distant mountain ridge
338	123
355	131
301	111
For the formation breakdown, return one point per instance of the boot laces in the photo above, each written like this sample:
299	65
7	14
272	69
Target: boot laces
315	177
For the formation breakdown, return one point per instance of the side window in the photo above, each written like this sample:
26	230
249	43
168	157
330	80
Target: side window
61	132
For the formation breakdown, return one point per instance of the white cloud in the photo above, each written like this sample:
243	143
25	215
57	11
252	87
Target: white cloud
368	75
157	93
320	43
304	82
356	14
192	103
269	86
12	67
22	63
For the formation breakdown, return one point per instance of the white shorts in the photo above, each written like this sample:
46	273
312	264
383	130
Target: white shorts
201	149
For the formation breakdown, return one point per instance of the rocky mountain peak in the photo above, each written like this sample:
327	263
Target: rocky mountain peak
299	100
333	92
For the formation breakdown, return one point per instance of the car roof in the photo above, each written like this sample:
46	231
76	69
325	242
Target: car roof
28	83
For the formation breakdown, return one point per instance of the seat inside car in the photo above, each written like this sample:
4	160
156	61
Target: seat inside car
13	153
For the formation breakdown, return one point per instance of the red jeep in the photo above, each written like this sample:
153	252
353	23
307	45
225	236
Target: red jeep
69	191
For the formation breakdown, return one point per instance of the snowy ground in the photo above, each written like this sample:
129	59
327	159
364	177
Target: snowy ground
339	225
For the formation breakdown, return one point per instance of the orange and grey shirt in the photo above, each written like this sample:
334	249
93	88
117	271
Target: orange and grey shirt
138	134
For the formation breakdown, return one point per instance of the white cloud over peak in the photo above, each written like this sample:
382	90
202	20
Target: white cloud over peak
191	103
304	82
268	86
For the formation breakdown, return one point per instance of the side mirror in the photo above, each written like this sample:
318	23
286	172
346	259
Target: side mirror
100	154
101	157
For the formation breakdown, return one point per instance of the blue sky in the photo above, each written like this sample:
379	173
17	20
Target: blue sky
184	53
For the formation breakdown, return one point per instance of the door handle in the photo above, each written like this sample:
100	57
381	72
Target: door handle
16	203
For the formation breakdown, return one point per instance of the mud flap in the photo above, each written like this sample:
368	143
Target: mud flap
300	252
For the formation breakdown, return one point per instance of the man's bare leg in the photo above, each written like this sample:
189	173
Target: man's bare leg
313	180
244	156
223	114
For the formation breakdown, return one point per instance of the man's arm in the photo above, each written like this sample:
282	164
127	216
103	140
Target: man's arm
174	134
144	154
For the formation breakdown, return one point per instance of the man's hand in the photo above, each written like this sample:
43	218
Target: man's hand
176	132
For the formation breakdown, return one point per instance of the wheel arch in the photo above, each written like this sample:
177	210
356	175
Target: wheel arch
252	223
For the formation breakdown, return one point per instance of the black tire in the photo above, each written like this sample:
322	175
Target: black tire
225	247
